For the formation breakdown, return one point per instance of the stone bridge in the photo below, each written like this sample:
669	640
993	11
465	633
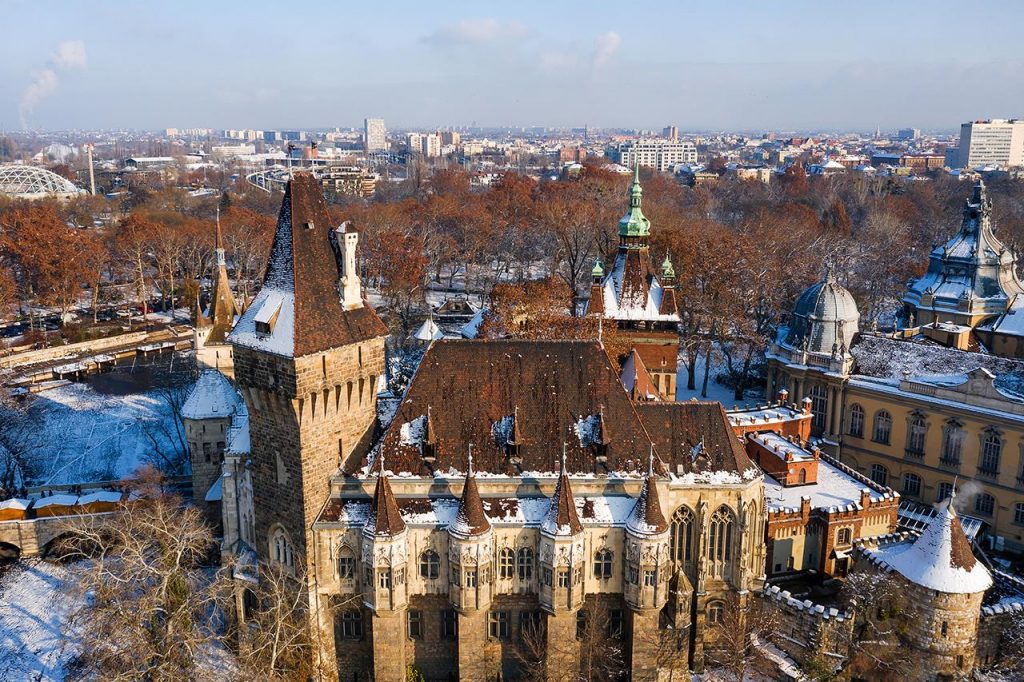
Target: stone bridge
32	537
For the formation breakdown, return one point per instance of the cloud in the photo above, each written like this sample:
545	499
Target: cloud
605	47
475	32
69	55
554	61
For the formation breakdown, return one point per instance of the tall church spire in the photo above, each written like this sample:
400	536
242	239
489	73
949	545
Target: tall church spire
634	223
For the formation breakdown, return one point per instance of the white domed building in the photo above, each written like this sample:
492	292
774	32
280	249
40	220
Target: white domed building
811	355
30	182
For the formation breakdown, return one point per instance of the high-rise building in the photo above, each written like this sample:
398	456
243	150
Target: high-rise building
657	154
670	133
375	135
995	142
908	133
450	137
431	145
414	143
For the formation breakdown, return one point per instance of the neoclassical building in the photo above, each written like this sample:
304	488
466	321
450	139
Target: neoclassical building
514	510
930	403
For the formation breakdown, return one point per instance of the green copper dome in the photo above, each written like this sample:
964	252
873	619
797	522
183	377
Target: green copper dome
668	271
598	270
634	224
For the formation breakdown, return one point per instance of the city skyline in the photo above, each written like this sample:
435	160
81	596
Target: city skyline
743	67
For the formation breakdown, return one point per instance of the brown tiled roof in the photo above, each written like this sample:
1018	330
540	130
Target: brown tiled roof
668	301
222	302
562	518
647	516
658	357
304	260
640	384
677	428
636	278
470	519
961	555
596	305
384	517
560	388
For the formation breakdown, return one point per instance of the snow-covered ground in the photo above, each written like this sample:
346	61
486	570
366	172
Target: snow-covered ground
74	434
34	606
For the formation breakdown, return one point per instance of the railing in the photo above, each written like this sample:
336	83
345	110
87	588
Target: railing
950	463
917	455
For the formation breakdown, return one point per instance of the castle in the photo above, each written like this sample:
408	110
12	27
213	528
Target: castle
522	511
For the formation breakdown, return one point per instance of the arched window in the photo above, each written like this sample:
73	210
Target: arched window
281	548
984	504
681	539
879	474
430	565
917	429
991	450
802	476
720	539
506	563
715	612
346	563
952	443
844	536
944	490
524	563
856	421
883	427
603	564
912	485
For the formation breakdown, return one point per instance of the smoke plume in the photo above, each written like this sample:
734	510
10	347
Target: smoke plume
69	55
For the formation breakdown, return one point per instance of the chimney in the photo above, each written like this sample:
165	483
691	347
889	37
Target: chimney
349	285
806	405
865	498
783	396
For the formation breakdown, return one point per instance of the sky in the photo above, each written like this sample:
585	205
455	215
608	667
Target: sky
703	66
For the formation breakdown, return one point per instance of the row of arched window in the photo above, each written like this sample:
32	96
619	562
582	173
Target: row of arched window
953	437
912	485
719	548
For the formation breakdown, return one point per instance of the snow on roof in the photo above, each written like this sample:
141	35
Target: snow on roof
15	503
216	491
631	310
940	558
56	500
428	331
835	490
781	446
764	415
238	434
471	329
280	339
213	396
110	496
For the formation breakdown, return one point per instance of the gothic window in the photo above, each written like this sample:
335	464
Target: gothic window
603	564
844	536
991	449
720	539
497	624
563	577
281	548
984	504
430	565
415	624
449	624
633	575
545	575
917	428
530	622
715	612
883	427
207	448
944	491
616	619
802	476
911	485
351	624
506	563
1018	513
819	406
879	474
456	575
524	564
384	579
681	539
649	578
952	442
346	564
856	421
471	578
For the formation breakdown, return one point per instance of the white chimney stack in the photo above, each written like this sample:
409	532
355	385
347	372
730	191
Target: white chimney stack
349	285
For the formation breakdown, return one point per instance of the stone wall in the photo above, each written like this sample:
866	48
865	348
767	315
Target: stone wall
806	631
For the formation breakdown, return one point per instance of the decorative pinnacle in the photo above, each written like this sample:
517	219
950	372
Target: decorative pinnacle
564	446
667	269
650	463
381	472
598	270
470	459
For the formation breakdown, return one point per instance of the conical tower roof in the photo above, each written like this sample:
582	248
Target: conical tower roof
384	518
223	308
470	520
561	518
940	558
646	517
634	223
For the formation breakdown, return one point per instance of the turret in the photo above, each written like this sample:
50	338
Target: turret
349	285
596	305
668	305
561	551
648	567
470	545
384	549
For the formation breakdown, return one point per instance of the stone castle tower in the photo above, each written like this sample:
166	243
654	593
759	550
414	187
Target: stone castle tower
307	354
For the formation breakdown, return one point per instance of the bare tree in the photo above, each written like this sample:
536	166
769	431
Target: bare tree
734	637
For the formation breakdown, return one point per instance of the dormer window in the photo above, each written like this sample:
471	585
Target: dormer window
267	316
309	224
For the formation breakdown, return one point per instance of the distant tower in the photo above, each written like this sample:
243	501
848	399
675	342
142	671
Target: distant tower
213	325
307	360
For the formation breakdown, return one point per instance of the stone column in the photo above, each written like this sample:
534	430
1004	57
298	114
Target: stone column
644	645
562	649
389	646
472	642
